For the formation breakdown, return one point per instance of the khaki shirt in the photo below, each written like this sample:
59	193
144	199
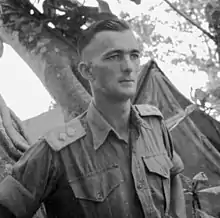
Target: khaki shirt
89	171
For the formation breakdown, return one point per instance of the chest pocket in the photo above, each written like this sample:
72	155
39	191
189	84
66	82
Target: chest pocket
95	188
158	174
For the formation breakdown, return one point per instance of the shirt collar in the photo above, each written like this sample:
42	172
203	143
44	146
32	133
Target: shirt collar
100	127
136	120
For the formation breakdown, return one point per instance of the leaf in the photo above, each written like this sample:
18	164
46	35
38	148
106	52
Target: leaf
186	181
213	190
187	192
103	6
189	109
199	180
208	12
1	48
38	29
200	94
19	22
136	1
25	28
203	214
13	17
200	177
175	120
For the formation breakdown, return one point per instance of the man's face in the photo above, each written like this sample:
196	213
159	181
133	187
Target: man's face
114	58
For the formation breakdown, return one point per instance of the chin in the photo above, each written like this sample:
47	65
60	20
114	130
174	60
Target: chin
120	95
130	92
126	96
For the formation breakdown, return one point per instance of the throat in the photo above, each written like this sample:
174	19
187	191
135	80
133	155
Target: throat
117	115
125	137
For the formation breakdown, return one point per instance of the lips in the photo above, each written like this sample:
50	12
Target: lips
126	80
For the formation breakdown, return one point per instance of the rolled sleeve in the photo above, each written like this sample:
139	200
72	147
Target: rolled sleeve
33	178
15	197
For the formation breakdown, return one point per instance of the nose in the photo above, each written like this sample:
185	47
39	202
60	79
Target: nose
127	65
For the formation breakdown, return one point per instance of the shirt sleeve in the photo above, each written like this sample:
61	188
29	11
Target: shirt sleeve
178	165
31	181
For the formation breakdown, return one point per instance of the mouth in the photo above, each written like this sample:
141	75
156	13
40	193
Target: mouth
126	81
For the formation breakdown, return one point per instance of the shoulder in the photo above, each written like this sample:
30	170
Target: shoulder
65	134
148	110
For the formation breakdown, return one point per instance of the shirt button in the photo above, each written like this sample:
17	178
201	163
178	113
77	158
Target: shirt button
71	131
62	136
139	186
99	196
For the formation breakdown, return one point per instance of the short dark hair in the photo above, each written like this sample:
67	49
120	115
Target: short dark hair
113	24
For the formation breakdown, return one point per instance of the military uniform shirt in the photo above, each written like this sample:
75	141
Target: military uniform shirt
84	169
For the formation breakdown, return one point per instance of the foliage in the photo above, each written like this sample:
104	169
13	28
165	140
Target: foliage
206	13
12	133
203	214
189	41
175	120
66	18
198	184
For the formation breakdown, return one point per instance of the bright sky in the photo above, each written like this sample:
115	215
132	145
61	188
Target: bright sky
27	97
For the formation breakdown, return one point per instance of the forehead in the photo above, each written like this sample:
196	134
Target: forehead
110	40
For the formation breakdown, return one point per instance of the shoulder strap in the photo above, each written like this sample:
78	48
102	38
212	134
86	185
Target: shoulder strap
148	110
66	134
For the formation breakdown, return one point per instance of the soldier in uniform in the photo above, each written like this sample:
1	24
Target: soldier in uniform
115	160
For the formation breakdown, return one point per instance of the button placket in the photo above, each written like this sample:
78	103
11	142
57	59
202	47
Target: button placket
142	187
126	205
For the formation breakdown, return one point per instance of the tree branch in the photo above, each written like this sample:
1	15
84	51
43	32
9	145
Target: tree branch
7	144
18	140
18	125
206	42
191	21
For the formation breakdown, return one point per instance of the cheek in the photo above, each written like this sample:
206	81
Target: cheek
137	66
104	75
103	80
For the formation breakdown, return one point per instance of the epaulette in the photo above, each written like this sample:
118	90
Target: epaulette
63	135
148	110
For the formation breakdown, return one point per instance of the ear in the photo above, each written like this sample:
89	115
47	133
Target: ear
85	70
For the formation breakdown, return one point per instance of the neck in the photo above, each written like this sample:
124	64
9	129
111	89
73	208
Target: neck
116	113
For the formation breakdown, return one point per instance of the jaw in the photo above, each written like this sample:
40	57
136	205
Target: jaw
115	93
124	94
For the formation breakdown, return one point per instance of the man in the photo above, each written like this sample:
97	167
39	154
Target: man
114	160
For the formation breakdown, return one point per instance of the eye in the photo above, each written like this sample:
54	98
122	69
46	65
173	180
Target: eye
135	56
114	57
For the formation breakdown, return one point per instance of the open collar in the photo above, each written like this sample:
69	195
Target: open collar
100	127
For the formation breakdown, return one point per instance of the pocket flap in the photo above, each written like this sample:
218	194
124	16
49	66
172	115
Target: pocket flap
159	164
98	186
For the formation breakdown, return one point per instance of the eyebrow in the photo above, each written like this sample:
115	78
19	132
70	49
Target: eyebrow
121	51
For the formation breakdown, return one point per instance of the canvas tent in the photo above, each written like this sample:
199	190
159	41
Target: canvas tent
196	139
